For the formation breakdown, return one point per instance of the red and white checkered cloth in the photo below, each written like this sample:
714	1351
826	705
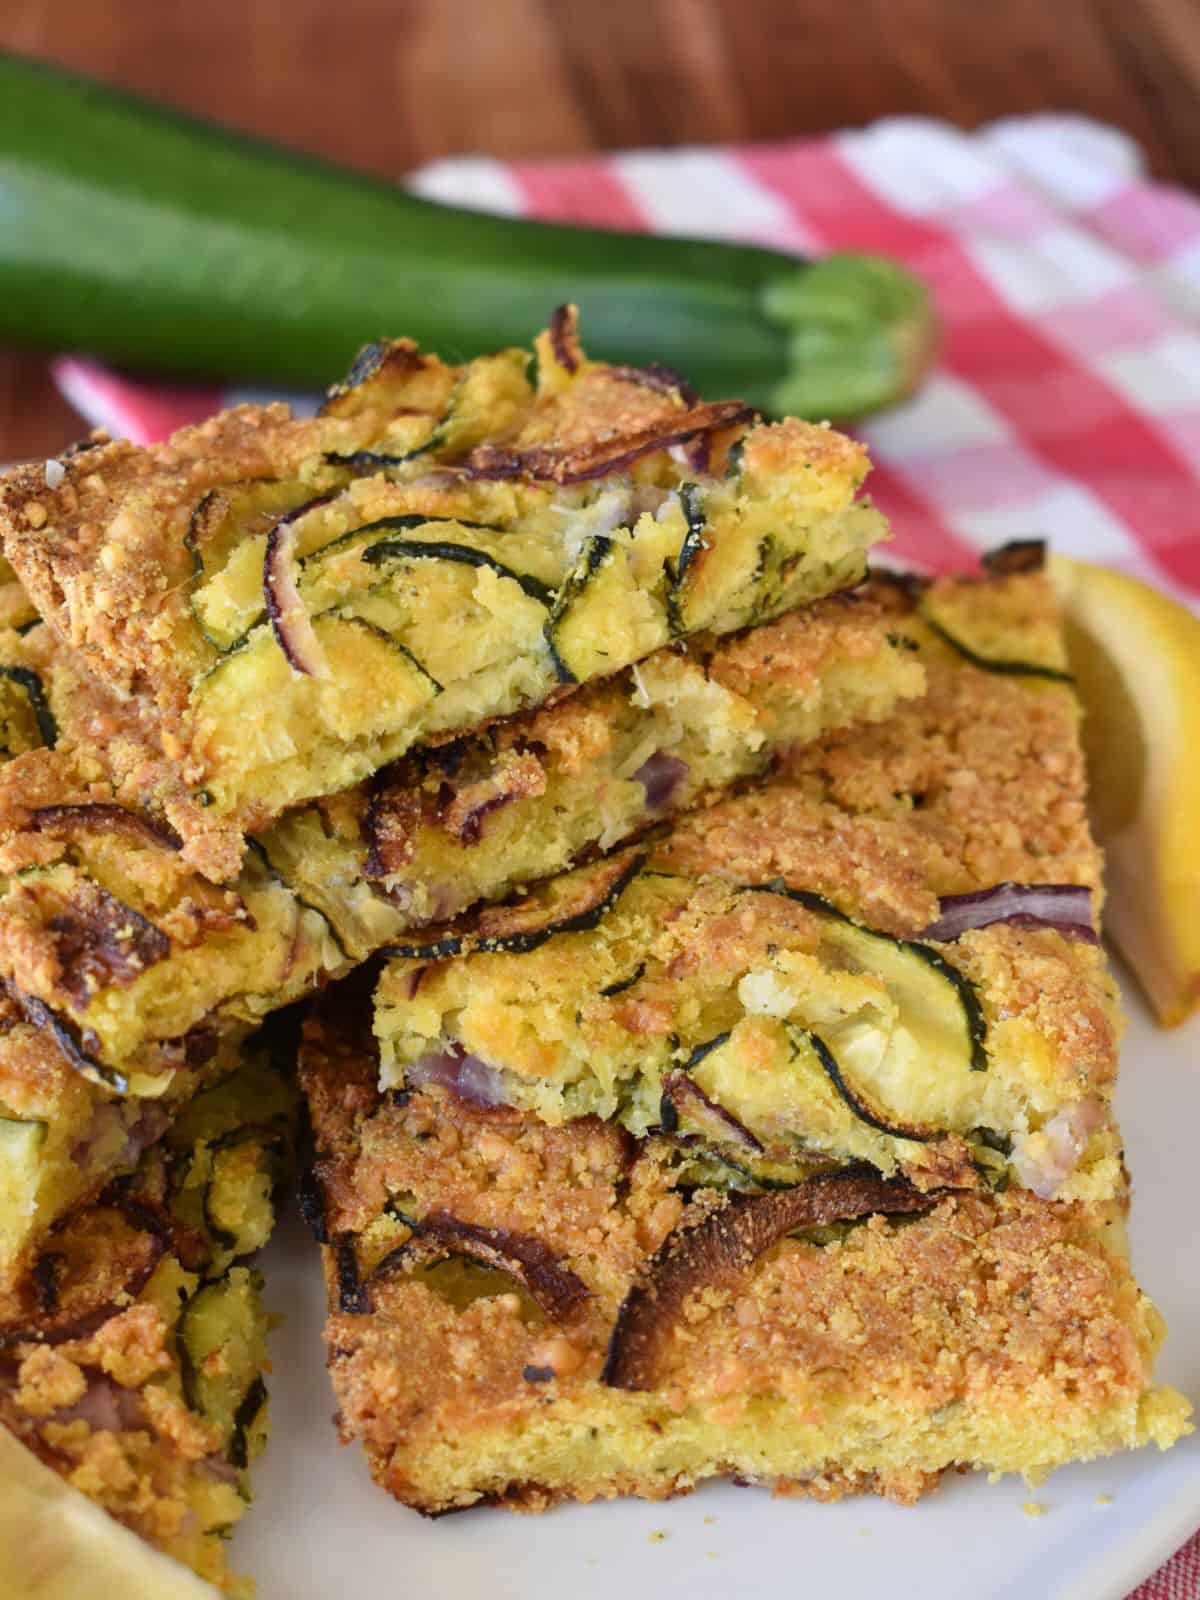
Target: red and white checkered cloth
1067	401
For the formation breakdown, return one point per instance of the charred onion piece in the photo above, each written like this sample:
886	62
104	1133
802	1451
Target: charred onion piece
1017	556
39	1015
684	1098
533	1264
1064	907
390	825
290	621
577	464
352	1292
655	376
907	587
718	1252
100	941
102	816
92	1279
564	338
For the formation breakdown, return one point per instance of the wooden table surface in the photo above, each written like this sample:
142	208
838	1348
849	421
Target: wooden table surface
387	84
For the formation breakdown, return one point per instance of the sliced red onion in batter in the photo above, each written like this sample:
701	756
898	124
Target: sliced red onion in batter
1065	907
463	1075
290	621
662	776
1047	1159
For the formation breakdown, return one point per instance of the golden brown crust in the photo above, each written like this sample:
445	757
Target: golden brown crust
984	775
991	1302
100	553
980	781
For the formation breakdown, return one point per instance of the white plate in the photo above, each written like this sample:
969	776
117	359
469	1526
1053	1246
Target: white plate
319	1527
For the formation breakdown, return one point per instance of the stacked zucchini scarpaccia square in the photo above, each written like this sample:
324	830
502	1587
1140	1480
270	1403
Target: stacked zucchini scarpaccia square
713	1055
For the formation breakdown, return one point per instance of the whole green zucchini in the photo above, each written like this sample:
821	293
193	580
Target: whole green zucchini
165	243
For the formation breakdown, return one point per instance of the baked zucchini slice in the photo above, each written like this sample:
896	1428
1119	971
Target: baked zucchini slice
938	1003
226	538
487	399
709	575
26	719
221	1338
398	549
368	669
604	619
991	642
571	904
692	503
21	1142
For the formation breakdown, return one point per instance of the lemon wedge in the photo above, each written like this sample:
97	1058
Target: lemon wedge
1136	659
56	1545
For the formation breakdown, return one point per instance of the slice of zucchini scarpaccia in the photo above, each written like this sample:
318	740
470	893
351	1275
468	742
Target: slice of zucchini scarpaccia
26	679
692	503
602	889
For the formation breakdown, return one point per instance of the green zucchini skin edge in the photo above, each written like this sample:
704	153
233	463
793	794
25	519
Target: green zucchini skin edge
862	1111
259	850
252	1400
25	678
581	922
705	1049
272	1149
66	1037
465	554
1009	669
692	503
597	551
612	989
244	1418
